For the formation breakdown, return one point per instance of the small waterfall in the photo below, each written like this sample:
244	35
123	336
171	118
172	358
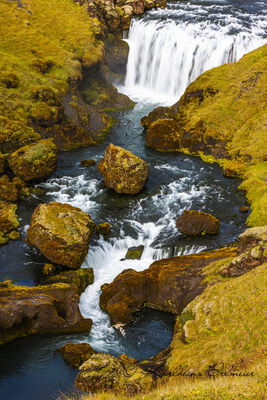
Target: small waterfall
170	48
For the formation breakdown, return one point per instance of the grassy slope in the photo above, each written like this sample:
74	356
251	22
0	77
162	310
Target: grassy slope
57	33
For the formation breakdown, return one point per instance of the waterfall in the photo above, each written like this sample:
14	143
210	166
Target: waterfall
170	48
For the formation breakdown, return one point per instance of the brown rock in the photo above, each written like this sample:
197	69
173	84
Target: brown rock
193	222
49	269
244	209
104	229
49	309
61	232
75	354
230	173
122	170
8	220
167	285
134	253
81	278
164	134
8	191
88	163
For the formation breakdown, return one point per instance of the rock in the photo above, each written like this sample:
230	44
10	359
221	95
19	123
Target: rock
167	285
15	134
8	220
9	79
230	173
50	309
81	278
48	269
134	253
116	54
122	170
104	229
61	232
164	134
193	222
87	163
105	373
2	163
244	209
14	235
155	115
34	161
252	237
8	191
75	354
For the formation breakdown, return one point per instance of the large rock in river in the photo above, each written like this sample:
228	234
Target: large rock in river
75	354
122	170
193	222
167	285
42	309
61	232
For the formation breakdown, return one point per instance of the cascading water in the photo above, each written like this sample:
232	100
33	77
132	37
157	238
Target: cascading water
170	48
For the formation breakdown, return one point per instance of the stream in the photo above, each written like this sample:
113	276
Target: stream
168	50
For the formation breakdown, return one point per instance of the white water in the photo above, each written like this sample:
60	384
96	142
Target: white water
169	52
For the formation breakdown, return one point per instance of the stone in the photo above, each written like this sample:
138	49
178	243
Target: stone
8	191
167	285
14	134
164	134
48	269
104	229
134	253
122	170
105	373
75	354
244	209
230	173
14	235
81	278
34	161
8	221
88	163
61	232
193	222
252	237
50	309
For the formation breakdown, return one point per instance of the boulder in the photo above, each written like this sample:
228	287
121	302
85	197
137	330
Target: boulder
81	278
193	222
8	190
164	134
49	269
34	161
104	229
75	354
88	163
8	221
61	232
105	373
167	285
134	253
47	309
122	170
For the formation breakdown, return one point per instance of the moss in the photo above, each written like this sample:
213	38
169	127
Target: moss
44	94
45	115
9	79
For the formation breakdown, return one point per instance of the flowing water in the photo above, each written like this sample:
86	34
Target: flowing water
168	49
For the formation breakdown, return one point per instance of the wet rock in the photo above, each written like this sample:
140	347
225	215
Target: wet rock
75	354
2	163
81	278
164	134
61	232
88	163
156	114
167	285
14	235
230	173
244	209
8	191
116	53
193	222
103	372
34	161
122	170
8	220
134	253
49	269
47	309
104	229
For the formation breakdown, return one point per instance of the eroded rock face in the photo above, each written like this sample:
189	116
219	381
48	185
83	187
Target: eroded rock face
75	354
193	222
122	170
34	161
42	309
61	232
103	372
164	134
167	285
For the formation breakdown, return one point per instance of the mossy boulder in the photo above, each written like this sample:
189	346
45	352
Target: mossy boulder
81	278
9	79
8	221
105	373
122	170
47	309
61	232
193	222
104	228
8	190
15	134
167	285
164	134
134	253
88	163
34	161
45	94
45	115
75	354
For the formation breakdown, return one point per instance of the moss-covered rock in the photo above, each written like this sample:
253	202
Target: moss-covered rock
164	134
104	228
45	94
34	161
134	253
45	115
8	221
61	232
49	309
75	354
81	278
122	170
9	79
88	163
8	190
193	222
105	373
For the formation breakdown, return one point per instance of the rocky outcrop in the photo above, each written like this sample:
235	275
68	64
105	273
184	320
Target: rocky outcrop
81	278
193	222
122	170
75	354
167	285
34	161
105	373
49	309
8	222
164	134
61	232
